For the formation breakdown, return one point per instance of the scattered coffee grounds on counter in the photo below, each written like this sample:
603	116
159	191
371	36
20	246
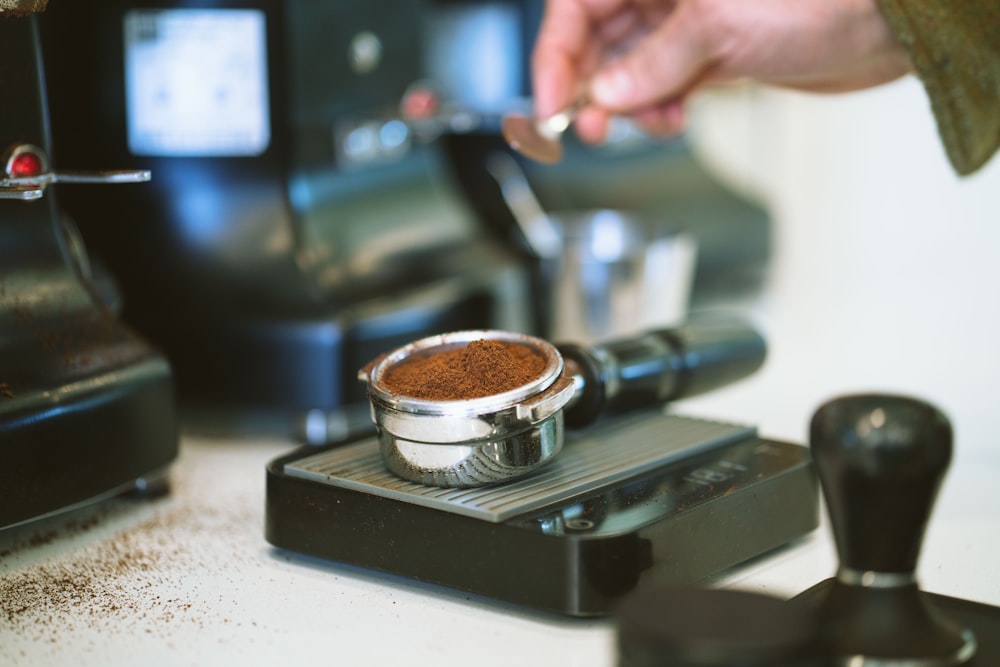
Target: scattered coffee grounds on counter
480	368
129	573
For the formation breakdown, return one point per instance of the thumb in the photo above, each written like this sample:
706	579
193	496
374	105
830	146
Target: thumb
662	66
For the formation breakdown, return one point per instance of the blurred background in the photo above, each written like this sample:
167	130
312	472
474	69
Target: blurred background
883	272
329	182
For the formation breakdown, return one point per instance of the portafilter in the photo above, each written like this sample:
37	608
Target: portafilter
495	438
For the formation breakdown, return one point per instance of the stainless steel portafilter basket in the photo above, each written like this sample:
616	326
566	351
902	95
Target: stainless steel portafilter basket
492	439
470	442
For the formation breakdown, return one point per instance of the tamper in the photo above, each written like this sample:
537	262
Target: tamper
880	461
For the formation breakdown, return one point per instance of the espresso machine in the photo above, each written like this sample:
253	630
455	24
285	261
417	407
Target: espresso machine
303	217
87	406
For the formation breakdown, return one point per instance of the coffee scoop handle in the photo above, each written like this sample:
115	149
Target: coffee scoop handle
659	366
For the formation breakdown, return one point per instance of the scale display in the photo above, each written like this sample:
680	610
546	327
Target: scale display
196	82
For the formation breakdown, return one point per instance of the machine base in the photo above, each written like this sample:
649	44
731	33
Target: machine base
680	517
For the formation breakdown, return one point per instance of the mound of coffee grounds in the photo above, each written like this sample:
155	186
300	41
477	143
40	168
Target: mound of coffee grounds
480	368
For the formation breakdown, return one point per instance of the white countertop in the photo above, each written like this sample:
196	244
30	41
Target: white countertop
188	579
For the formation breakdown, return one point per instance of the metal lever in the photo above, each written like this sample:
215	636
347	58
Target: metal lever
27	188
100	176
24	192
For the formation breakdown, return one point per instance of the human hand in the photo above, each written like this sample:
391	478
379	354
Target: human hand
642	58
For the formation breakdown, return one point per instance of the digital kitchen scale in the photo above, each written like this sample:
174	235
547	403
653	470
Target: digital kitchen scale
648	496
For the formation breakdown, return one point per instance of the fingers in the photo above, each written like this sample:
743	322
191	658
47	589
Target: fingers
574	40
665	120
564	40
662	66
667	48
592	125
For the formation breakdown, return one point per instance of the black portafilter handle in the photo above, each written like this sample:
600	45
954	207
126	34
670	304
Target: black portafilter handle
659	366
881	460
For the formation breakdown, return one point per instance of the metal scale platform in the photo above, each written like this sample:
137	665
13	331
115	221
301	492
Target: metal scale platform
643	497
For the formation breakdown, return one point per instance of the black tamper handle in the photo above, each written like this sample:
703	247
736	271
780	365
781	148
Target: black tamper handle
880	459
660	365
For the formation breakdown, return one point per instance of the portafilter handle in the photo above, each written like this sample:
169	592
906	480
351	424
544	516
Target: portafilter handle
659	366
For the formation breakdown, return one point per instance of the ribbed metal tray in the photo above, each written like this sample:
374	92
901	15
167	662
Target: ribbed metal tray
593	459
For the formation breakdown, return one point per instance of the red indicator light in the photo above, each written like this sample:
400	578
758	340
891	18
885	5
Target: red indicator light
25	164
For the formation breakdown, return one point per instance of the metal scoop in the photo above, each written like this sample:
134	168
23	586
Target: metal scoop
492	439
539	138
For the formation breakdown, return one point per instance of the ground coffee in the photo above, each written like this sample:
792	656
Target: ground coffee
480	368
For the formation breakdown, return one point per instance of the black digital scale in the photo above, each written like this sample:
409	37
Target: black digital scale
649	496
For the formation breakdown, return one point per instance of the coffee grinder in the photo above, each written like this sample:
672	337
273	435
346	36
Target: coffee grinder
86	405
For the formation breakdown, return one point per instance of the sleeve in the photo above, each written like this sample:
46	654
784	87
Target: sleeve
21	7
955	49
